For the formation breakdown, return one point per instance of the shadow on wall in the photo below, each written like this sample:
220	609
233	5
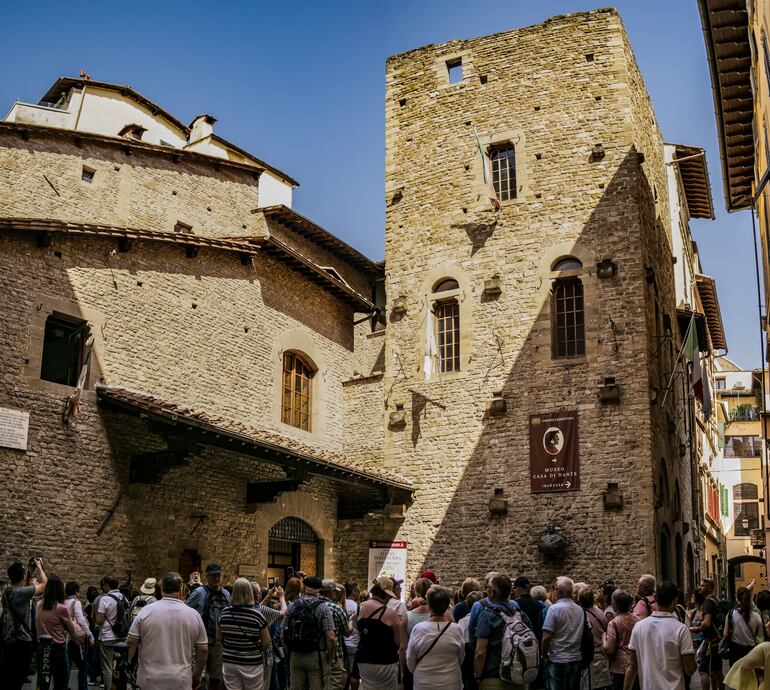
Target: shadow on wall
615	440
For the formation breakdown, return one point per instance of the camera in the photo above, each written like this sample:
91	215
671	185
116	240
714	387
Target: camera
32	565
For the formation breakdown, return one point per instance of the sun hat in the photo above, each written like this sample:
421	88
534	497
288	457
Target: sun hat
149	586
386	585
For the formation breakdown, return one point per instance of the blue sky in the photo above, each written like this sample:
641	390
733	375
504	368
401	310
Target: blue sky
302	85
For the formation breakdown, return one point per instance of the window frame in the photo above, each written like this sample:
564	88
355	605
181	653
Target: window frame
511	190
560	279
79	327
295	411
442	299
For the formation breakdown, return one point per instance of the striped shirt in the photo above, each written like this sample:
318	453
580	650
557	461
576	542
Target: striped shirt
241	635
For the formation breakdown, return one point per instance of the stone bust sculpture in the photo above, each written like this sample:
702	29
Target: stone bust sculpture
552	543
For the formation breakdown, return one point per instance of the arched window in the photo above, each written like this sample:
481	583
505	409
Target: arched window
446	309
296	405
568	263
745	492
569	338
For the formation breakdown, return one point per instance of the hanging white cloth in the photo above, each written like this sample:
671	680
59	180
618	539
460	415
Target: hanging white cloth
431	352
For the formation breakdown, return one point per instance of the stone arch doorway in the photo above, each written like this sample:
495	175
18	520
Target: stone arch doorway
292	545
739	563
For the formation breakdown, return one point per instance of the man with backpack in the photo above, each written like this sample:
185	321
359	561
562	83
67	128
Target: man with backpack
507	654
113	620
209	601
308	633
645	590
146	596
562	647
16	623
710	627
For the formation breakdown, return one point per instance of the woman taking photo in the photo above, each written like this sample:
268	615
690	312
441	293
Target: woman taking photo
244	636
743	626
54	619
436	647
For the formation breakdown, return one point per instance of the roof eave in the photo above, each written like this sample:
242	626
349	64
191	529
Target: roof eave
744	202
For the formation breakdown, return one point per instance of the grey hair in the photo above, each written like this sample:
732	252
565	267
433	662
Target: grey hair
489	577
243	594
539	593
647	583
565	586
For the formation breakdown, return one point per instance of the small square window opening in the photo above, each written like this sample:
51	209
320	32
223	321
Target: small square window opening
88	175
455	70
183	227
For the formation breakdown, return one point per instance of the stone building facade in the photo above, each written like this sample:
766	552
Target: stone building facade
205	293
567	101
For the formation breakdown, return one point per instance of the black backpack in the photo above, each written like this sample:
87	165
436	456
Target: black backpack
586	644
303	626
122	622
10	621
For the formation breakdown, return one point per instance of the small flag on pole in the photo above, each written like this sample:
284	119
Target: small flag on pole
490	188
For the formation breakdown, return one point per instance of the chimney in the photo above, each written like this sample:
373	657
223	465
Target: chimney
201	127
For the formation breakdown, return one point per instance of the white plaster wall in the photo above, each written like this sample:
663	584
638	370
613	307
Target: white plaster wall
273	191
106	112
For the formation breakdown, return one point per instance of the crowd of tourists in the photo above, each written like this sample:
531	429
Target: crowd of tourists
320	635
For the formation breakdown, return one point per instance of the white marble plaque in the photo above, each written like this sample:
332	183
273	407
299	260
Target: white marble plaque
14	425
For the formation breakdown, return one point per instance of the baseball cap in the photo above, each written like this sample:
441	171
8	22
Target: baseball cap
430	575
522	582
213	569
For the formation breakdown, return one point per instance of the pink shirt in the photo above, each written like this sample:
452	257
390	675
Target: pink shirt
619	630
641	611
56	623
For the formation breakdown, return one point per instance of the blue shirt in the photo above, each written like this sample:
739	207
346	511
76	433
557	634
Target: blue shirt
490	626
478	607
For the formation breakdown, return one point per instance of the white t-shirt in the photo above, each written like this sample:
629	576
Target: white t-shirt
440	667
565	620
167	632
746	634
660	641
109	607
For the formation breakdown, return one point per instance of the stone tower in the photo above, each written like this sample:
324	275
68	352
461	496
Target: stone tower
550	304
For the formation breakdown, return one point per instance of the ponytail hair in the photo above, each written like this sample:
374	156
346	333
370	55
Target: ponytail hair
744	603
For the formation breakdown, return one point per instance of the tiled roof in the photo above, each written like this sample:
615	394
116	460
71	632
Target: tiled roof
320	462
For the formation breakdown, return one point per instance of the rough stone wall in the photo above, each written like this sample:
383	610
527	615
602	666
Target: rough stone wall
204	332
556	90
145	189
670	470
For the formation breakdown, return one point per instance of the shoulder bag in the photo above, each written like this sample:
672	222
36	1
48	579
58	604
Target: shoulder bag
724	643
432	644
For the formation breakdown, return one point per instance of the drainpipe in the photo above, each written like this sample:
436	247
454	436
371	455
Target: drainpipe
80	107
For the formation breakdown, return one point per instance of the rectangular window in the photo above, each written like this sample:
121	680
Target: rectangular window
746	518
743	447
448	329
569	327
720	384
88	174
296	399
503	161
183	227
454	70
63	349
